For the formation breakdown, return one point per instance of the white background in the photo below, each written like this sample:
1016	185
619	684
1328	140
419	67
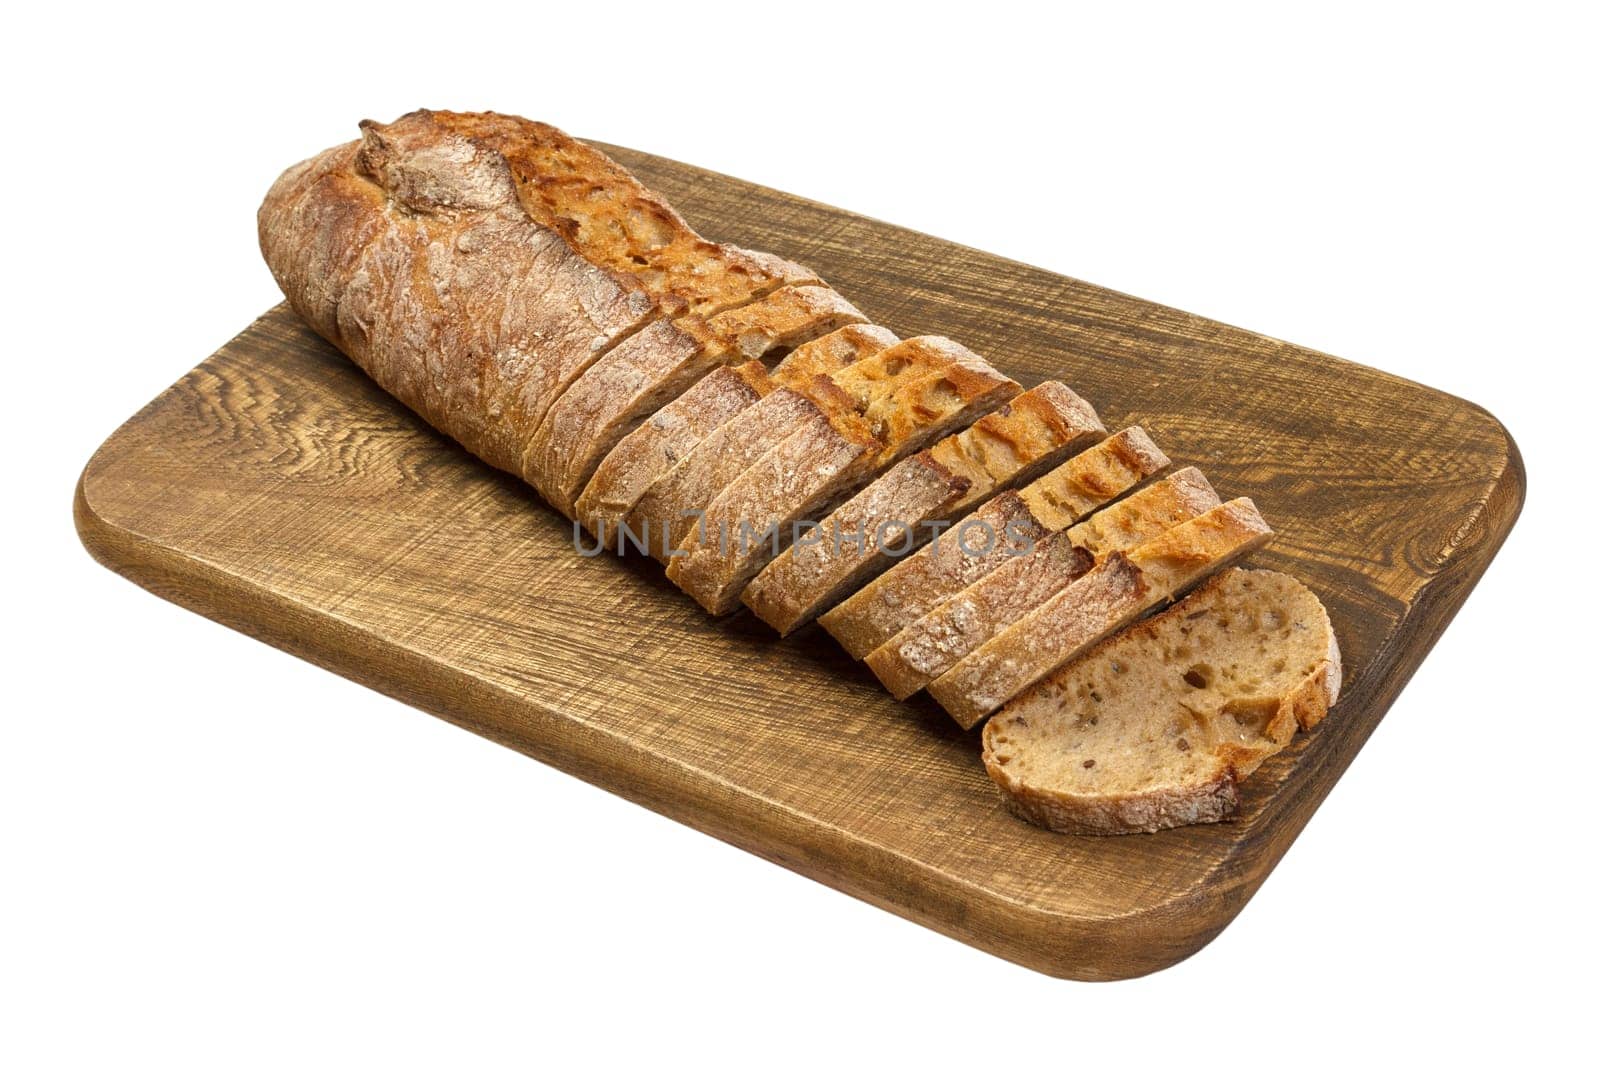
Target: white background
215	853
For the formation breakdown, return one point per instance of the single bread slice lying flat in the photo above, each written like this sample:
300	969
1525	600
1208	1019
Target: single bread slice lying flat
962	554
627	384
1086	611
1157	726
667	437
944	636
902	395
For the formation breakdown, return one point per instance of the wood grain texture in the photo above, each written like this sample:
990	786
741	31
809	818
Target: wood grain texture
277	490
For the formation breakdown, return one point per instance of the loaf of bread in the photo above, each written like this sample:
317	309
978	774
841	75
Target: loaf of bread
1158	726
709	404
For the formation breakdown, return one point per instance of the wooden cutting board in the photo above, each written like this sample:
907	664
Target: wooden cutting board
275	489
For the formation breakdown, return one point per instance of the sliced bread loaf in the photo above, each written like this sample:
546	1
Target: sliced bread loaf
944	636
676	430
896	514
1117	591
1014	519
1156	727
633	379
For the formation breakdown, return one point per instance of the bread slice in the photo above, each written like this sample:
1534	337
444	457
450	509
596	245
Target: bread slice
1100	603
633	379
1001	529
802	479
902	396
944	636
830	354
751	519
949	564
898	513
1156	727
1093	478
676	430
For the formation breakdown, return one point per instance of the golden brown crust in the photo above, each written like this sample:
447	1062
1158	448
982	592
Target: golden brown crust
1093	477
1180	496
828	355
938	640
663	512
1027	436
866	533
316	220
1191	805
875	412
889	402
753	518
